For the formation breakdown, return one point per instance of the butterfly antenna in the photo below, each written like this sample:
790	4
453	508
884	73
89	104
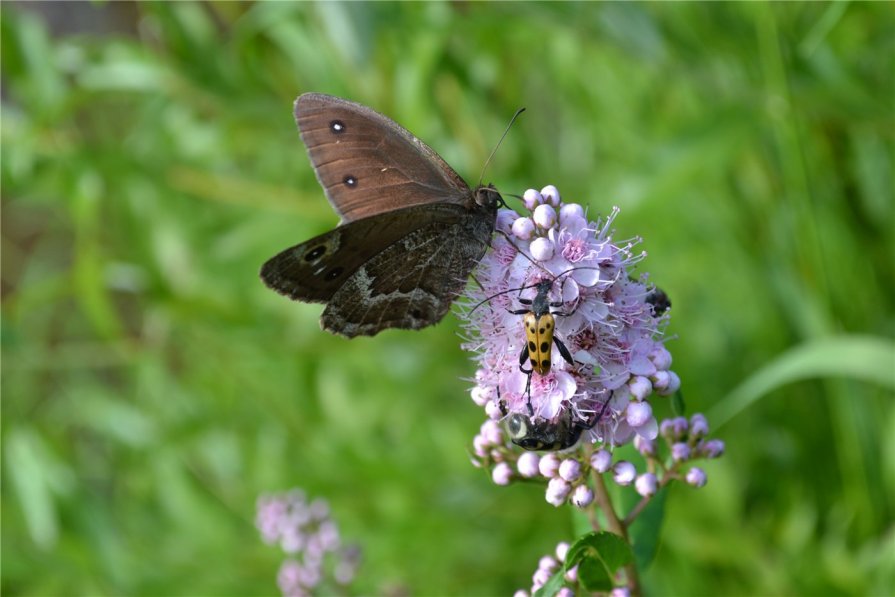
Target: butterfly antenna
493	151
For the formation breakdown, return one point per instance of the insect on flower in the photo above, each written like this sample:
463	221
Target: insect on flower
539	321
553	265
659	300
543	434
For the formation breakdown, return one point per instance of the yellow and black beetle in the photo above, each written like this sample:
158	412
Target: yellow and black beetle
540	331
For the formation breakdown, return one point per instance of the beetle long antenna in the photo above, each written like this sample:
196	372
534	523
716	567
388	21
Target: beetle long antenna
538	265
496	294
493	151
521	288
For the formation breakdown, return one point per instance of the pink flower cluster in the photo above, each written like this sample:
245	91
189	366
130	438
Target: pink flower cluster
305	531
547	567
609	321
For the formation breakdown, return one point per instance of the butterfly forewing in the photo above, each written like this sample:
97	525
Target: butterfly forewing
367	163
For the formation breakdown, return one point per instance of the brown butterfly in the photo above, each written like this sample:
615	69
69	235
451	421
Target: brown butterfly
411	229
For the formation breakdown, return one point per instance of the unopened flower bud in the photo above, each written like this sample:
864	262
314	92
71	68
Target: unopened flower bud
582	496
660	357
480	446
571	574
549	465
620	592
696	477
638	413
480	395
674	429
505	219
673	385
647	447
565	592
640	387
601	461
712	448
646	484
531	198
623	472
562	548
570	211
544	216
527	465
570	469
548	563
551	195
541	249
680	451
493	410
557	491
502	474
661	380
523	228
699	426
492	432
539	579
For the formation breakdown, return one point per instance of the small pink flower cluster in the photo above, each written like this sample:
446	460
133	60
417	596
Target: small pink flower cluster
306	532
547	567
609	321
568	476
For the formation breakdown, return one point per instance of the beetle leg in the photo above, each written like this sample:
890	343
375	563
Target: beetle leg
531	411
563	351
523	358
502	404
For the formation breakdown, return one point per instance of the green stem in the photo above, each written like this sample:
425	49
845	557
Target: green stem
619	528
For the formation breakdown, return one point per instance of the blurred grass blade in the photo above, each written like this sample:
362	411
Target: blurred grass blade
36	475
863	358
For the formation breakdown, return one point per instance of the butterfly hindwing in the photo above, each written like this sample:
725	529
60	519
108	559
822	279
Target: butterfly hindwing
412	283
315	270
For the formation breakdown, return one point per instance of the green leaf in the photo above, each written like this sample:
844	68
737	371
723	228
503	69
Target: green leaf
598	556
864	358
593	576
611	549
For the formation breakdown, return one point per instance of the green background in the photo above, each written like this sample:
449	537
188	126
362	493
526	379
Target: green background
153	388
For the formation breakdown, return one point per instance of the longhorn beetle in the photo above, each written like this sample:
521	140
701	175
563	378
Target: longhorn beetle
540	325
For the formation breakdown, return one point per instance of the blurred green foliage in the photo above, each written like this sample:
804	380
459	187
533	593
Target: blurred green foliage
153	388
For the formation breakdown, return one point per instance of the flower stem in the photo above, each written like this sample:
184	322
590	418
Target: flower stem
618	527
